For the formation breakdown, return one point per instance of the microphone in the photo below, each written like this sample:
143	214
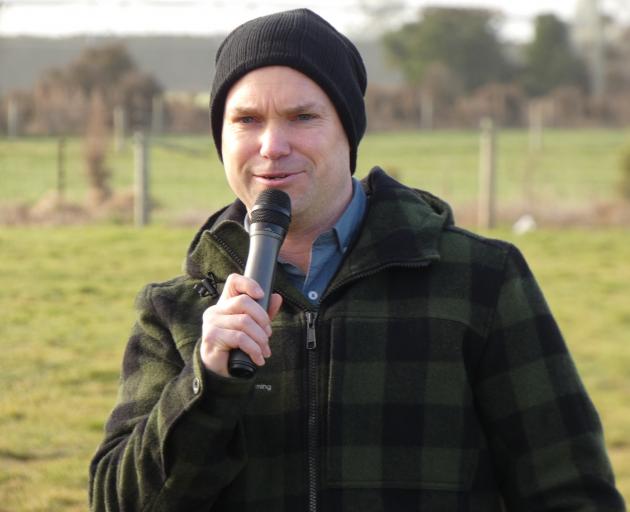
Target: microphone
270	218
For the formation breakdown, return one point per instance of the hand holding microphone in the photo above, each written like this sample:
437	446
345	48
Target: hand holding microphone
239	324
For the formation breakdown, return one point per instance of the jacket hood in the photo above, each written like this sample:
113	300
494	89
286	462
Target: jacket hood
407	221
378	181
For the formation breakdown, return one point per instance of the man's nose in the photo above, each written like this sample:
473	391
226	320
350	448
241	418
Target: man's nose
275	141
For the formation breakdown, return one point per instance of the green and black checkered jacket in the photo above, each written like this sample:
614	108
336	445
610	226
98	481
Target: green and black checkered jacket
431	378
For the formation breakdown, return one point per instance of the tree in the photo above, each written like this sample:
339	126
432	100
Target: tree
464	41
617	69
95	151
107	71
550	61
134	93
100	68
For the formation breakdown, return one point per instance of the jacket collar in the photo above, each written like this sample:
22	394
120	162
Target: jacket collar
402	227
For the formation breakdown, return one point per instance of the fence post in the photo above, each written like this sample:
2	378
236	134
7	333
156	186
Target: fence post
119	129
61	169
486	212
536	119
141	206
426	110
157	115
13	118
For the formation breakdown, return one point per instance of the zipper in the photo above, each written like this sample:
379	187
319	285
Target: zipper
313	416
313	427
311	339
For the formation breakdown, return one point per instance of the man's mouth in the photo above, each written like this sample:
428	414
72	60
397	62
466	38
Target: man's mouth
279	178
276	177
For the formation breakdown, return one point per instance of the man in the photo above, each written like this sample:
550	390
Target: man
404	364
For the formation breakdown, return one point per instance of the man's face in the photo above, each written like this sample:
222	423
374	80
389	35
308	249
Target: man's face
280	130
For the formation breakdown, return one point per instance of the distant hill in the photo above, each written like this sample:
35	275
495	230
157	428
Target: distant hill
180	63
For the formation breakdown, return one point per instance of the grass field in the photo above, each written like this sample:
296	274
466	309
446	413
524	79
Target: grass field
66	303
573	168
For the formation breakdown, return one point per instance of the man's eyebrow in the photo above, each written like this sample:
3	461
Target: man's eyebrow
297	109
304	107
241	111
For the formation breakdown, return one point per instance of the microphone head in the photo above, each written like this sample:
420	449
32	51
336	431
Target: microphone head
272	206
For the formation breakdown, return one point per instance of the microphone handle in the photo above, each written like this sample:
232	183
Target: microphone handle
265	242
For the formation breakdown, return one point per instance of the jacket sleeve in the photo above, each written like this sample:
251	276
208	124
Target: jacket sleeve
544	432
174	438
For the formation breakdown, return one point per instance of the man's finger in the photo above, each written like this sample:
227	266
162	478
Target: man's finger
244	323
237	284
225	340
274	305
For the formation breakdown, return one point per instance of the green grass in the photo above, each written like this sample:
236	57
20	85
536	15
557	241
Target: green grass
66	305
574	167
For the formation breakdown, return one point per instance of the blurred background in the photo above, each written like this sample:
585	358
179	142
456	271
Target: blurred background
516	113
83	76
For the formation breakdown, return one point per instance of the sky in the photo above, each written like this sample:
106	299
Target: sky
195	17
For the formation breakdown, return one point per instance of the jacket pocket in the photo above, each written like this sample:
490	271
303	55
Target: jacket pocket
400	410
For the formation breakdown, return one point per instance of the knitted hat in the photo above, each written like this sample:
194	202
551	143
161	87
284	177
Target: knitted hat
304	41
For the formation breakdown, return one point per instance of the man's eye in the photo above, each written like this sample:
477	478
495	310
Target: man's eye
246	119
305	117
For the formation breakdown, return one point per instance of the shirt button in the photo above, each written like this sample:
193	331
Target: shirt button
313	295
196	385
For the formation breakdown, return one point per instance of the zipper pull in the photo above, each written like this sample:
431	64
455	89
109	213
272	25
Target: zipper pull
311	340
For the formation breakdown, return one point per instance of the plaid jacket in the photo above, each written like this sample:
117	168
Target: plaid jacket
432	378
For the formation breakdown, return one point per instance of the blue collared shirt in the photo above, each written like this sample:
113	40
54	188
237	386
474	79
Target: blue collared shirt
328	248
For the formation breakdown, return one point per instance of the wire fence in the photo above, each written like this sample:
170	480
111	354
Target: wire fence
556	176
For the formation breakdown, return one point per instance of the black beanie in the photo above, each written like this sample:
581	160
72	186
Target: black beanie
304	41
